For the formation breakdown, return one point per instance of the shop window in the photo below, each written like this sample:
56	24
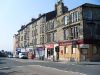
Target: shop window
62	52
74	50
94	50
65	50
49	52
84	51
74	46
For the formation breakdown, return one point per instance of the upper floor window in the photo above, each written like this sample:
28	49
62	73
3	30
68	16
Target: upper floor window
52	25
42	29
66	33
88	14
22	38
75	16
32	33
48	37
74	32
22	32
66	20
72	17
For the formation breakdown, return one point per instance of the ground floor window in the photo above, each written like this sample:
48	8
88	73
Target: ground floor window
98	49
84	51
94	50
50	52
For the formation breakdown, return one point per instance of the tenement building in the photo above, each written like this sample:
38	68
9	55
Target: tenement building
62	34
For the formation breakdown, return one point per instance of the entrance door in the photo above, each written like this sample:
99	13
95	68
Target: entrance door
84	53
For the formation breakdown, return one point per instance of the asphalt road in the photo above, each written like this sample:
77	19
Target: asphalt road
89	69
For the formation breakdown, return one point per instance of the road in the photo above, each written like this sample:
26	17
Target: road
22	67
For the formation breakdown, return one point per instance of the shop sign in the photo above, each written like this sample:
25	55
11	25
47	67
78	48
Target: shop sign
40	48
84	45
49	46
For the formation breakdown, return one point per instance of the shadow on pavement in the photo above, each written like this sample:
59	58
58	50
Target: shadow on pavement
5	68
2	60
3	73
89	64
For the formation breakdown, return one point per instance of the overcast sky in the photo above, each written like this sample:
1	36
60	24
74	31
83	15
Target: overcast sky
14	13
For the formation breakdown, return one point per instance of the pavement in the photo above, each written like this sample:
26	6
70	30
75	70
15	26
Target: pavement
62	62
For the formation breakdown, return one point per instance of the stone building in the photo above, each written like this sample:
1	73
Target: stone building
74	32
81	34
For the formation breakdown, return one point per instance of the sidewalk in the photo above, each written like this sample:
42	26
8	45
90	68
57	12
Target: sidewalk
61	62
79	63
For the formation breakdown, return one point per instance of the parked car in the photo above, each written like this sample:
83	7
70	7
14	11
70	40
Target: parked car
23	55
10	56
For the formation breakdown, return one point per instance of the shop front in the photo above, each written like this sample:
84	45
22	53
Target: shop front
69	51
78	50
40	52
50	52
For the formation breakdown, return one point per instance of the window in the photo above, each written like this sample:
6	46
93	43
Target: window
65	50
53	36
94	50
55	24
75	16
88	14
66	33
22	38
78	16
66	18
36	33
21	32
42	39
48	37
73	50
72	17
50	52
42	29
52	25
32	34
35	41
46	28
74	32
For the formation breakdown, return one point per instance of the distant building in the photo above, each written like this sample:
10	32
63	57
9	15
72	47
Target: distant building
15	44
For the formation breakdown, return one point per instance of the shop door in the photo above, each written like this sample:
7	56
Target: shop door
84	53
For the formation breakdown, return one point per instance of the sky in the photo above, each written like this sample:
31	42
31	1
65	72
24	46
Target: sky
15	13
